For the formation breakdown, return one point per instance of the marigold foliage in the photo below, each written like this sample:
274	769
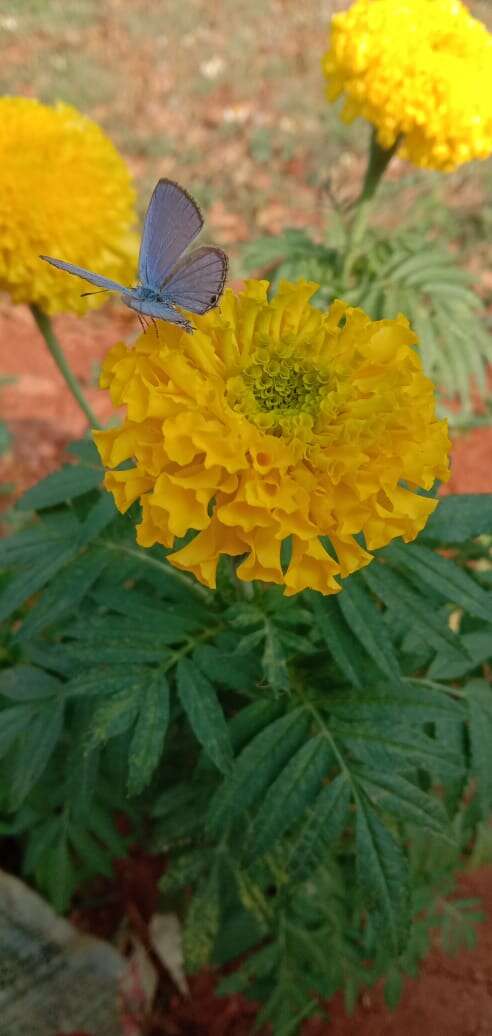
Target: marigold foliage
417	68
275	422
64	191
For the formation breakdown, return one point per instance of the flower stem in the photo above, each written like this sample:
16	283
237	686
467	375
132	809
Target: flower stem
45	326
377	163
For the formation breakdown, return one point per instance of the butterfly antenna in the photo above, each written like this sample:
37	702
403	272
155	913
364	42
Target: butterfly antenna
84	294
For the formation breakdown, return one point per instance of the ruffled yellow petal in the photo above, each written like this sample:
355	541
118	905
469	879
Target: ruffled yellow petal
419	69
274	423
64	192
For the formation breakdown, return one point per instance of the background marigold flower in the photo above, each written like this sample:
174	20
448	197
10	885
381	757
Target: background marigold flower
64	191
275	423
417	68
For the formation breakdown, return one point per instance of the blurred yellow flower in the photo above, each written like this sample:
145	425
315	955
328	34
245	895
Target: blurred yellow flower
64	191
275	422
421	69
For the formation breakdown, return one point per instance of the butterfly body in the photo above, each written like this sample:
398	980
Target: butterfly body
167	277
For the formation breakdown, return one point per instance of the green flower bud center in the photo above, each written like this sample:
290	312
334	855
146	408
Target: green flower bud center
283	384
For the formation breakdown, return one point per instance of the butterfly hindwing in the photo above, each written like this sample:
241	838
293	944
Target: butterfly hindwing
172	222
197	281
87	275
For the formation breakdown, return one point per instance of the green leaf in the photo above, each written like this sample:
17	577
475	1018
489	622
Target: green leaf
293	791
69	482
199	700
228	669
35	747
392	793
443	576
459	518
102	680
113	716
479	696
256	767
382	876
367	625
478	646
338	638
148	737
99	517
322	827
53	552
274	662
24	683
412	608
412	702
64	593
201	925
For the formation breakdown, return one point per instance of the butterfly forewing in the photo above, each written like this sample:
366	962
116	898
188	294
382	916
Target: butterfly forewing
197	282
87	275
172	222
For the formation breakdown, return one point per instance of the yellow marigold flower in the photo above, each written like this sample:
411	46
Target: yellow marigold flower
275	422
64	191
417	68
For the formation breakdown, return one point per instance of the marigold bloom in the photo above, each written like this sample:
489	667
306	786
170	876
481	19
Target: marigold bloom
275	422
417	68
64	191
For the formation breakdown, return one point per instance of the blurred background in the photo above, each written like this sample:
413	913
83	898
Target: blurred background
227	97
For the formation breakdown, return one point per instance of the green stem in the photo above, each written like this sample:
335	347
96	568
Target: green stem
377	163
45	326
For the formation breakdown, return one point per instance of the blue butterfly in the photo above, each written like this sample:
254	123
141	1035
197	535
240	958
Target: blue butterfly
167	278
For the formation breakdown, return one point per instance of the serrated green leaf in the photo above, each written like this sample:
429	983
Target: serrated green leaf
410	703
184	869
479	697
33	751
256	767
199	700
201	925
148	737
393	752
102	680
413	609
459	518
63	593
53	555
99	517
68	482
478	647
367	625
443	576
230	670
293	791
24	683
274	661
322	827
338	638
392	793
113	716
251	719
382	877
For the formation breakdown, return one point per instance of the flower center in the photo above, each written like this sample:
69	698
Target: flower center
283	384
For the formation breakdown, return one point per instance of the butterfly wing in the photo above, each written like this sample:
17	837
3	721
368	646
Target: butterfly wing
87	275
172	222
158	311
197	282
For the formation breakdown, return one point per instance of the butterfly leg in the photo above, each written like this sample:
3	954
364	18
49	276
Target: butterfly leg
156	329
141	321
